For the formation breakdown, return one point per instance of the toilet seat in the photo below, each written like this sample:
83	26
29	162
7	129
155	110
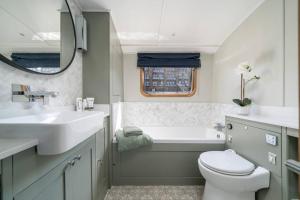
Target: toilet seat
227	162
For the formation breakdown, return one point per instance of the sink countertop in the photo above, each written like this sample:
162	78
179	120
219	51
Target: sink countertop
289	122
9	147
56	132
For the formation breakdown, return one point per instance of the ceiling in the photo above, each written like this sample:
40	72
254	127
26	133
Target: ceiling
33	26
173	25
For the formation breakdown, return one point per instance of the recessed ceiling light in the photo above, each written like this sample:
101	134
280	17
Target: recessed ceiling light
137	36
140	36
47	36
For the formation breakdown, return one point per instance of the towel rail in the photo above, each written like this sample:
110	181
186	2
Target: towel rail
293	165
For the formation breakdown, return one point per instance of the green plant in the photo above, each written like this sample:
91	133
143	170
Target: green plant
242	102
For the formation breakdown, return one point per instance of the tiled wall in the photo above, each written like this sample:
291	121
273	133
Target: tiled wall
145	114
166	114
174	114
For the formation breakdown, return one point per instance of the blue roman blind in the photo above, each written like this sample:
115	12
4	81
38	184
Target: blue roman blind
36	60
175	60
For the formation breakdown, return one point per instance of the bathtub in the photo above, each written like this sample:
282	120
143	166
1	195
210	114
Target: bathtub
171	160
184	135
179	135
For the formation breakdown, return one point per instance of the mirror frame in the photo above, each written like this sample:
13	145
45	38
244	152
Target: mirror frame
12	64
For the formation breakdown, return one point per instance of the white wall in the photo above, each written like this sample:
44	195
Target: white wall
259	40
132	82
291	53
68	83
267	39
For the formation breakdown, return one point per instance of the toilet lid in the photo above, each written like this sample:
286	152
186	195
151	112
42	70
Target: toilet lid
227	162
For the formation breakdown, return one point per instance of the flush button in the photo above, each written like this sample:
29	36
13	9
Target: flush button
271	139
229	138
272	158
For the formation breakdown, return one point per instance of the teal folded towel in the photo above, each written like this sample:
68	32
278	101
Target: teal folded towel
132	142
132	131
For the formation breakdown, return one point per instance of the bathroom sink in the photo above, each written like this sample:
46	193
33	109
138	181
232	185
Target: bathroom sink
57	132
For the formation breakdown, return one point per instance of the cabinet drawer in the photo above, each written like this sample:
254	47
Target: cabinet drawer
250	142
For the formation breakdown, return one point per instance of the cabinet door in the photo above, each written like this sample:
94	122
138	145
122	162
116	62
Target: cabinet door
79	176
100	172
249	140
49	187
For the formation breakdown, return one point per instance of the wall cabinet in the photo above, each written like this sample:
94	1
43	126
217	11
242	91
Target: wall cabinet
79	174
103	62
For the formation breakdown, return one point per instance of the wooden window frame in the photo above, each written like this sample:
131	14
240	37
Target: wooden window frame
192	93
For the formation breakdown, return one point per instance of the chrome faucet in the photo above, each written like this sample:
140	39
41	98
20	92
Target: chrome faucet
219	127
23	93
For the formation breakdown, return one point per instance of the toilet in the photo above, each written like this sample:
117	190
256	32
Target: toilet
231	177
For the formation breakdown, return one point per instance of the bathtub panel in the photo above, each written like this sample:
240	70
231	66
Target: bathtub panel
174	164
159	164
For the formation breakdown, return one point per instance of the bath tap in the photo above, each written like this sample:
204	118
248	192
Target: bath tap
219	127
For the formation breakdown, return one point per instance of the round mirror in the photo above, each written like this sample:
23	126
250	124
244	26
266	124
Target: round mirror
37	36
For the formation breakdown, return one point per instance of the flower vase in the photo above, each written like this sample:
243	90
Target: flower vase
244	110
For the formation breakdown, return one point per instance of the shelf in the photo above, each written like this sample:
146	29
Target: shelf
293	165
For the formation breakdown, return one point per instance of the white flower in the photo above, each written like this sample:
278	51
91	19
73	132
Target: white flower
244	67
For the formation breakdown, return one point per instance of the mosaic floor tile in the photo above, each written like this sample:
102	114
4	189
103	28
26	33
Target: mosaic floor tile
155	193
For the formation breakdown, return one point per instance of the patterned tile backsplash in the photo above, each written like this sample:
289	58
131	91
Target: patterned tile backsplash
174	114
145	114
68	84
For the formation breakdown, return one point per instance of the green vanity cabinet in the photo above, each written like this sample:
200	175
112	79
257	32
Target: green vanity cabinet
51	186
70	180
248	138
78	174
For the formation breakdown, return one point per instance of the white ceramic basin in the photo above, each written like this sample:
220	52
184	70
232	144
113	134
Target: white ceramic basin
57	132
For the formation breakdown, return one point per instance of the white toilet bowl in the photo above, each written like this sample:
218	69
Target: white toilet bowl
230	176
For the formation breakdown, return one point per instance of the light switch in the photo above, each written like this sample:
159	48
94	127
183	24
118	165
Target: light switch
272	158
271	139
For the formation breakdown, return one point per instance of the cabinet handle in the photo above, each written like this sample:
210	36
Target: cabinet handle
77	157
69	164
99	162
72	163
